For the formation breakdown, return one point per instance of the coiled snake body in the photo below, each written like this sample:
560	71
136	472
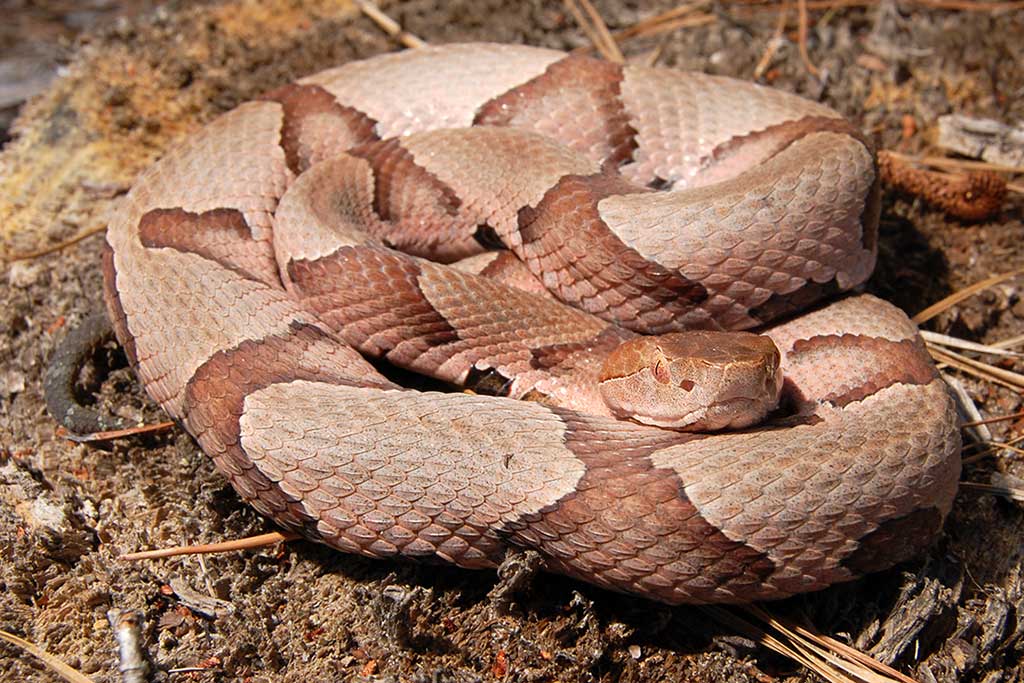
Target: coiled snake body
251	270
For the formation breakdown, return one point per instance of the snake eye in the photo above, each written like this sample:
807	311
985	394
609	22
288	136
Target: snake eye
661	372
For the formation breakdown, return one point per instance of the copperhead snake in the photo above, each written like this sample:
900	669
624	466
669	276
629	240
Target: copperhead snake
253	270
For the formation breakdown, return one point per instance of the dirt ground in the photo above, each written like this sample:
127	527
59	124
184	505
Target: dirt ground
303	613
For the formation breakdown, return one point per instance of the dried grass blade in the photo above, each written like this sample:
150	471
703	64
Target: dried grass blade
802	38
666	27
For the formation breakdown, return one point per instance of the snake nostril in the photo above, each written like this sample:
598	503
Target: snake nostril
687	385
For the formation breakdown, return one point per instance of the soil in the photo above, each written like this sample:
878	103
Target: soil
301	612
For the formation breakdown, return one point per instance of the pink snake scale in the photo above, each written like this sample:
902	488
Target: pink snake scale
250	274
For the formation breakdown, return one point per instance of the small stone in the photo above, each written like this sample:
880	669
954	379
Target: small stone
24	274
12	382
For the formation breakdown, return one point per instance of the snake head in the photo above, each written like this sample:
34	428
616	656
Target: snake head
694	381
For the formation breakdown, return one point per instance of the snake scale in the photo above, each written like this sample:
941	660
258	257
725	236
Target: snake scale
253	270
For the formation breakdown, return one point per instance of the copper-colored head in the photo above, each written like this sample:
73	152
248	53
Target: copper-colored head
694	381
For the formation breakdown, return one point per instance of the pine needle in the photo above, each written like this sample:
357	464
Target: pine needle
1004	445
966	345
221	547
773	43
990	420
29	255
114	433
590	21
992	448
57	666
1013	493
802	38
959	5
389	25
683	16
1007	378
965	293
1010	342
844	657
947	163
833	661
